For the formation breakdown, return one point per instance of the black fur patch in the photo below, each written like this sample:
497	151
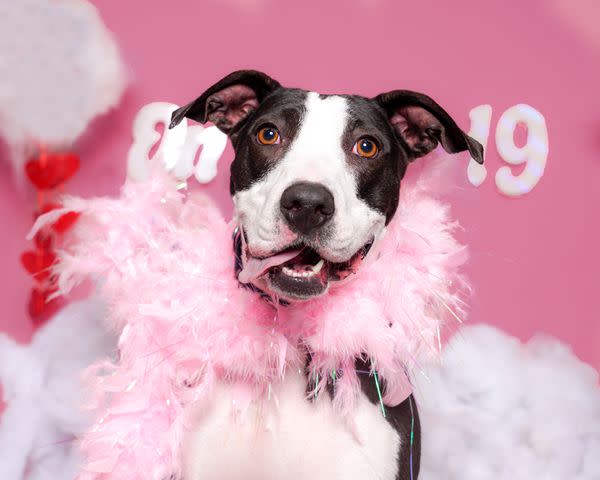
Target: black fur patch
283	109
404	418
377	178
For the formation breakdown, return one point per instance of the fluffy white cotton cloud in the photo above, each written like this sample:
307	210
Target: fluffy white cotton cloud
499	409
59	68
43	392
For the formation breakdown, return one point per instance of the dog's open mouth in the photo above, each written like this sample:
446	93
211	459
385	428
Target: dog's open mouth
300	273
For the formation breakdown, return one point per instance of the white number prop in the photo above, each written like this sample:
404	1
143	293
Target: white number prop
178	146
481	119
145	136
533	154
213	143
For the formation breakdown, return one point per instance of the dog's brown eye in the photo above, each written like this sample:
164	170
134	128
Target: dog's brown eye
268	136
365	147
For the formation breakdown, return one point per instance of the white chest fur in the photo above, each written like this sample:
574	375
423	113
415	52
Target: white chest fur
289	437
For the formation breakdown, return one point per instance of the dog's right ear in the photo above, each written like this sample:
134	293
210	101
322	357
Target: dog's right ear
228	102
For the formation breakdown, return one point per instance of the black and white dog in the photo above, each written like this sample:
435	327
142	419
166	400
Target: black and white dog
322	172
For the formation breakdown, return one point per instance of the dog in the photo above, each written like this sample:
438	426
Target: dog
315	180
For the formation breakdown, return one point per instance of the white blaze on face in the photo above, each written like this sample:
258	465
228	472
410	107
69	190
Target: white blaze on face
316	155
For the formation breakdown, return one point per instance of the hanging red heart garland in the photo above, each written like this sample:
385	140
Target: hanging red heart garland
48	173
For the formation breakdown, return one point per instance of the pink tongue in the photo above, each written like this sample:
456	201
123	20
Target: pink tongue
255	267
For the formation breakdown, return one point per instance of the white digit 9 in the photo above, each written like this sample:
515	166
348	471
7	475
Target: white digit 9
533	154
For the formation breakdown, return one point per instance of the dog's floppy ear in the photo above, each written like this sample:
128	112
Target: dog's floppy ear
421	124
229	101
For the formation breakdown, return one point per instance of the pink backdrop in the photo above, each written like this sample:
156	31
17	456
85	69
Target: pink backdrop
534	260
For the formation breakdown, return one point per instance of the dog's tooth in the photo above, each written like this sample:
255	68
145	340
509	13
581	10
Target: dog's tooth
317	268
291	272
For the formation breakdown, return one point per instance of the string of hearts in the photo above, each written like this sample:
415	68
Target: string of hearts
47	172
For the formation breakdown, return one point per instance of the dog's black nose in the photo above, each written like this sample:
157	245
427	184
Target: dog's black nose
307	206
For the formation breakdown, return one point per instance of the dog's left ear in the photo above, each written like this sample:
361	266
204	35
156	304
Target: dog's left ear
229	101
421	124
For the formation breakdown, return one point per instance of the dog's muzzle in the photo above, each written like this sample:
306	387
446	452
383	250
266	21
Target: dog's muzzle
296	273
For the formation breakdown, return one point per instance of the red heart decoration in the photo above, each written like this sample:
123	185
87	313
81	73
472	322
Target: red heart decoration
38	263
40	309
37	302
48	171
65	222
42	240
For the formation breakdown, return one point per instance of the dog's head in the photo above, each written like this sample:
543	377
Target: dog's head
316	178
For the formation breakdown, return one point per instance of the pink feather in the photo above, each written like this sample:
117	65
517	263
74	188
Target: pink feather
164	263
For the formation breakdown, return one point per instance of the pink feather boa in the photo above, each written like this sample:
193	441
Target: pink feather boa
164	263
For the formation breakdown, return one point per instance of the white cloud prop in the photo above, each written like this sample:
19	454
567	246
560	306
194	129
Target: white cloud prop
59	68
499	409
42	389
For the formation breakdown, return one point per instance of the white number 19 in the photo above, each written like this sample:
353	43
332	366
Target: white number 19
533	154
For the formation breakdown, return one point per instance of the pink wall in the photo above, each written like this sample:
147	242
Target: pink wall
534	259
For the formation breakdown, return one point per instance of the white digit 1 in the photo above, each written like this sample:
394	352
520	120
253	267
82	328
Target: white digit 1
533	154
481	118
145	136
213	143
